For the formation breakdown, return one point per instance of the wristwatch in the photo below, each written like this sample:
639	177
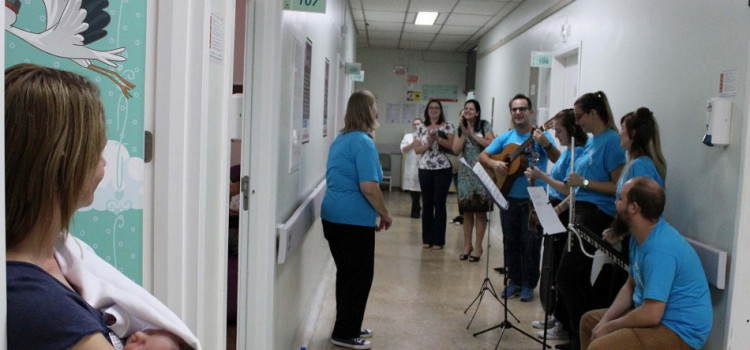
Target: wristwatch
585	183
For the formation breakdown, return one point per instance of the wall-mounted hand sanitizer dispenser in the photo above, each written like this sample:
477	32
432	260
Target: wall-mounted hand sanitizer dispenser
719	117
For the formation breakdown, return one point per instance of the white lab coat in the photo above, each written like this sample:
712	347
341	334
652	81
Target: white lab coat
410	181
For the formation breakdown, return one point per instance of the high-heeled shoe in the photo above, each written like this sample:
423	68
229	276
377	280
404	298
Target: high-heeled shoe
473	258
465	256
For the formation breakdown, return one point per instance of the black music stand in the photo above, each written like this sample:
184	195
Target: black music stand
505	324
486	283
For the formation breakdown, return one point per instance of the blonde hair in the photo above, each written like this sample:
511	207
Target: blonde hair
358	115
54	136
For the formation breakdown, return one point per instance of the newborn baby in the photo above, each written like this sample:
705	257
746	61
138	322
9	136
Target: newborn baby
154	339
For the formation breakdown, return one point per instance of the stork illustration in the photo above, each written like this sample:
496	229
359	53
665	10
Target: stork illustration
71	25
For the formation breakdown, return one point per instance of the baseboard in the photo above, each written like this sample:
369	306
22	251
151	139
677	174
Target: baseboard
307	328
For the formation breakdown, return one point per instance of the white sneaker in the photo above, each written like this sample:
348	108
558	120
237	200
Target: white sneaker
539	324
558	332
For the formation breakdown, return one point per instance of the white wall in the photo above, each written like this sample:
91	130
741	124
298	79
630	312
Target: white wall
438	68
667	56
296	281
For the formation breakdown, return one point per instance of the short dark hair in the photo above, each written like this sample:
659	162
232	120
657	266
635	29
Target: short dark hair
520	97
649	196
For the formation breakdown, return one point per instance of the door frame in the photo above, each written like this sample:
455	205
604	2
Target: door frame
557	75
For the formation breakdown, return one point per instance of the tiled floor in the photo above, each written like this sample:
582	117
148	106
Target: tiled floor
419	296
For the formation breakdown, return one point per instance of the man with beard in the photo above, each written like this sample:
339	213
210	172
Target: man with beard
665	303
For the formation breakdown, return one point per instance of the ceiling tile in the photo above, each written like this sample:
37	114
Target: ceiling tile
382	34
382	16
389	26
355	4
358	16
459	30
452	38
457	19
386	43
442	6
418	36
443	46
480	7
413	28
384	5
414	44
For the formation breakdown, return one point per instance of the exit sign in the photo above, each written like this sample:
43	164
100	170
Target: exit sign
541	59
318	6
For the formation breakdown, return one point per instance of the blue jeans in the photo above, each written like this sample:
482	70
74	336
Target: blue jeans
521	248
435	185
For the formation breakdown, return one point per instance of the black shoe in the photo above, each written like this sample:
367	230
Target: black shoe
415	215
563	346
500	270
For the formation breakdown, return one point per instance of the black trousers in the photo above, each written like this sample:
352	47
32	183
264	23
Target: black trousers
573	275
353	250
435	185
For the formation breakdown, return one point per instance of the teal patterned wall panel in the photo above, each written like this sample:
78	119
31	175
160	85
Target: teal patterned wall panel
113	224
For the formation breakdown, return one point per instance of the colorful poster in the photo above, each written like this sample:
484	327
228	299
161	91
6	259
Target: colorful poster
443	93
107	45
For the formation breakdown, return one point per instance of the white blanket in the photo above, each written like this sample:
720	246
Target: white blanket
102	286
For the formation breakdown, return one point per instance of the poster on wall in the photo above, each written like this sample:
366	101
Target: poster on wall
442	93
112	53
325	99
306	95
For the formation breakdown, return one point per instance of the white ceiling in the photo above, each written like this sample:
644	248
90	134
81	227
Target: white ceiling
390	23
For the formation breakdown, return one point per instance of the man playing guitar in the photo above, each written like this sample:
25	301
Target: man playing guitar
521	247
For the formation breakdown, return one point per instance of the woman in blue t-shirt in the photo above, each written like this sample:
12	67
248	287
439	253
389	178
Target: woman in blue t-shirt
597	170
564	124
349	212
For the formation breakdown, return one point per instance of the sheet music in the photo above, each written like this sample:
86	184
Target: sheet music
544	211
487	182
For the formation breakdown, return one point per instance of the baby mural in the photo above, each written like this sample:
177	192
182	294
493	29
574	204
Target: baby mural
108	39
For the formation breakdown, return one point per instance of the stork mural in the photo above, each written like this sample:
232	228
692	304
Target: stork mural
71	26
104	40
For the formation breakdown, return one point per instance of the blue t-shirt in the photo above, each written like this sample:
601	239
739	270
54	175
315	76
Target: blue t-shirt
601	155
352	159
560	171
641	166
519	190
45	314
666	268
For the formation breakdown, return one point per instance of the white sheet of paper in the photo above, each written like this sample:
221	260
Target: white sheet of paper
544	211
487	182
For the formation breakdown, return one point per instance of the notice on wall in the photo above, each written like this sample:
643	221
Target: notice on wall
325	99
393	113
216	38
298	100
306	91
442	93
414	95
728	83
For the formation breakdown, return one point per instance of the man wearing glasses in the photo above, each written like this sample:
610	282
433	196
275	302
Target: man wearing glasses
521	247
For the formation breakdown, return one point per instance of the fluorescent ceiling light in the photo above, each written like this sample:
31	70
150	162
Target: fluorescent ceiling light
426	18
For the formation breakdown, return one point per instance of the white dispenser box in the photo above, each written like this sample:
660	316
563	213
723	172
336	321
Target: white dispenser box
718	120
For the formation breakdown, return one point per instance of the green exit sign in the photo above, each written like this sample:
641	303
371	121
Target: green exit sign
318	6
541	59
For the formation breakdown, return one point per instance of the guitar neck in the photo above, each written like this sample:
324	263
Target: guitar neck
600	244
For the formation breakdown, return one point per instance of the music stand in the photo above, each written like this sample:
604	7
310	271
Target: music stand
486	283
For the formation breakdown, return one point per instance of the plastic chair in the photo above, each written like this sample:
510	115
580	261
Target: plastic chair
385	163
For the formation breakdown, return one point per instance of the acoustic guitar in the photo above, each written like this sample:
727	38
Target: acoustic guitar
517	158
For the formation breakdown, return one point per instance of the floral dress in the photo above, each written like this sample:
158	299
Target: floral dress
434	158
472	196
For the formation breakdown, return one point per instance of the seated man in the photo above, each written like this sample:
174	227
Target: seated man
665	303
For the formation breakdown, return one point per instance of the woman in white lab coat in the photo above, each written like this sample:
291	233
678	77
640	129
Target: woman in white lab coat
410	182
